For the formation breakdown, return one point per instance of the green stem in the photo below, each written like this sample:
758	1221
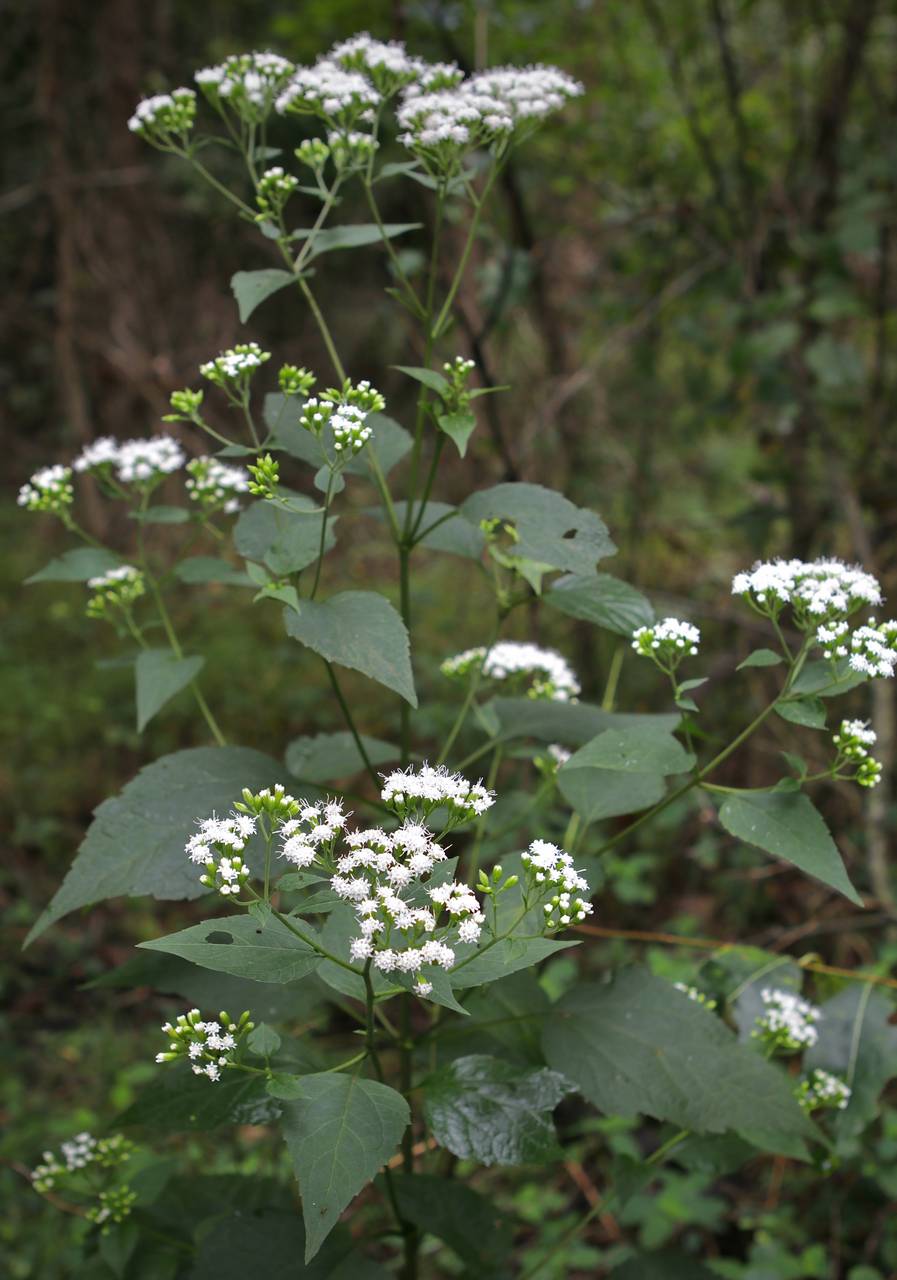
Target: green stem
327	499
613	677
414	302
344	707
385	495
442	318
220	187
314	944
481	822
405	609
471	693
323	328
76	529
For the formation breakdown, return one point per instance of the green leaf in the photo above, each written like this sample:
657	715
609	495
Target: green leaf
352	237
603	600
483	1109
738	977
787	825
809	712
271	1243
241	946
458	427
159	675
468	1223
502	958
858	1042
637	749
77	566
360	630
816	678
640	1047
287	541
339	1135
282	414
573	723
597	794
205	569
178	1101
761	658
550	529
135	844
334	755
263	1041
509	1012
455	535
251	288
429	377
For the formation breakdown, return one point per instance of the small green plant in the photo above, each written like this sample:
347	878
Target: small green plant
398	917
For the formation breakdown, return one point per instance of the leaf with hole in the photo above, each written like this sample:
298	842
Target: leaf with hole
239	945
550	529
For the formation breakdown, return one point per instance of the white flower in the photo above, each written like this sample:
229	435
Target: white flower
164	114
214	484
49	489
102	452
326	90
667	642
823	1089
551	874
419	791
512	661
207	1046
237	364
386	63
873	649
531	92
560	755
247	83
817	590
349	429
787	1021
143	460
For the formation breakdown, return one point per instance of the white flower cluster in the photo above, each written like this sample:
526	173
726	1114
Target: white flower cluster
349	429
217	846
788	1021
386	63
873	649
164	114
133	461
559	754
214	484
823	1089
531	92
311	834
102	452
248	83
416	793
275	187
49	489
549	868
667	642
237	364
512	661
817	590
853	740
207	1046
351	149
117	588
342	98
78	1153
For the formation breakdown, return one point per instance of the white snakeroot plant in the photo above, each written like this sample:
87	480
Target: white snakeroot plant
413	899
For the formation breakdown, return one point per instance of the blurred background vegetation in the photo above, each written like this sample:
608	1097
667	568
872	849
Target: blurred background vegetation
690	280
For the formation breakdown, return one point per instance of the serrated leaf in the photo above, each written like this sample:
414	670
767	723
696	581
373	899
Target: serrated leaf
251	288
427	377
177	1101
640	1047
334	755
550	529
572	723
858	1042
787	825
761	658
502	958
360	630
603	600
809	712
353	236
198	570
158	811
286	541
77	566
483	1109
243	947
458	427
468	1223
159	674
339	1135
635	749
510	1012
597	794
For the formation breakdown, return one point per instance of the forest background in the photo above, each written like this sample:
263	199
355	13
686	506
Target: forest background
691	282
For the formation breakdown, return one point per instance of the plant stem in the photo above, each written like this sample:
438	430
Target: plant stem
315	945
327	499
405	610
481	823
344	707
471	693
323	328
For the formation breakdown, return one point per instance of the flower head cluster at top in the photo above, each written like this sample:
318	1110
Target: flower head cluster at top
822	595
342	412
215	485
49	490
442	114
235	366
110	1204
853	740
550	871
209	1046
788	1022
131	461
667	642
115	590
823	1090
522	667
